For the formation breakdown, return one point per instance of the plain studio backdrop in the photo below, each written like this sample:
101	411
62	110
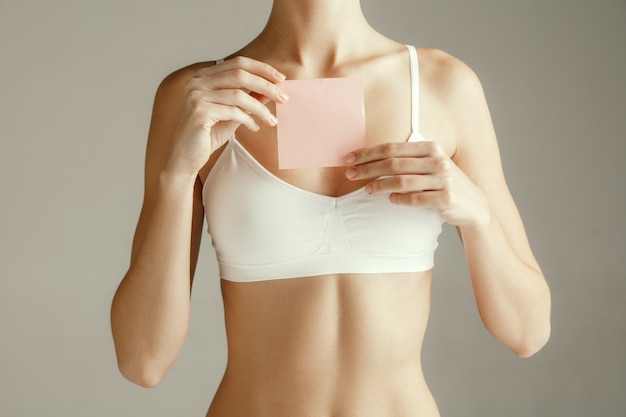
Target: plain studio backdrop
77	80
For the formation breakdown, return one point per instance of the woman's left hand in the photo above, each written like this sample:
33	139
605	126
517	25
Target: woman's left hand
420	174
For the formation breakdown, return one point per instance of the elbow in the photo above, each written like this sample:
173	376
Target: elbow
143	374
536	333
532	344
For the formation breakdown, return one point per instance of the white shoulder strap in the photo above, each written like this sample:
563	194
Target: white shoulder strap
415	89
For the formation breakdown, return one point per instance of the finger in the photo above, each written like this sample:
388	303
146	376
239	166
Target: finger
222	113
245	73
393	166
405	184
245	102
248	64
241	79
394	150
259	97
426	199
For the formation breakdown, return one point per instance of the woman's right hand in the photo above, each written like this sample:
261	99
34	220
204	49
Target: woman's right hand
218	99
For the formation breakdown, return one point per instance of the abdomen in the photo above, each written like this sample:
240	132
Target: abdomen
326	346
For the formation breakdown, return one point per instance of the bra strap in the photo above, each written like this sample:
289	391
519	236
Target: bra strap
415	89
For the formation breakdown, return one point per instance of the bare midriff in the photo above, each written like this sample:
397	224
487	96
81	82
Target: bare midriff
326	346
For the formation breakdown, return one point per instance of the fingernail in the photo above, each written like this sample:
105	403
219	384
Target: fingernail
351	158
368	188
273	120
283	96
350	173
279	75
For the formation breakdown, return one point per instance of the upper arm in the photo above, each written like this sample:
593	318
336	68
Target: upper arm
477	152
165	113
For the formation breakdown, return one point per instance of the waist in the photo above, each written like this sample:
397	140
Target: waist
398	391
326	341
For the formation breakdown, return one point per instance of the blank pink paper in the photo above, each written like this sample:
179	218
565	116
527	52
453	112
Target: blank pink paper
323	121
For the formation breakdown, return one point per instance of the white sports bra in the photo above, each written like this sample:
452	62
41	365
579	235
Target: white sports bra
264	228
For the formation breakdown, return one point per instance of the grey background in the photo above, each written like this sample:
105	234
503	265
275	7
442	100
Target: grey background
77	80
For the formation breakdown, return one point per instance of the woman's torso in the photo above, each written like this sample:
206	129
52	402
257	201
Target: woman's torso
334	345
326	346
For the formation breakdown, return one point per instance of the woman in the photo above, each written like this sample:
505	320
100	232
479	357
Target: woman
326	272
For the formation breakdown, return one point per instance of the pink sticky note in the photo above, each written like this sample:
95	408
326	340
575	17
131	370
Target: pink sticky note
323	121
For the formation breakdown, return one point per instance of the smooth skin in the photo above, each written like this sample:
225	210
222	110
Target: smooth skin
333	345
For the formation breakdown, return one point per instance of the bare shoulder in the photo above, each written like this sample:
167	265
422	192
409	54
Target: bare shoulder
457	93
174	82
166	110
168	100
446	74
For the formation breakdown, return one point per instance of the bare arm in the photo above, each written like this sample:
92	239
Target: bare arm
512	295
470	192
196	110
150	310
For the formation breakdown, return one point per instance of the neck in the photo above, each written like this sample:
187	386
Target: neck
316	33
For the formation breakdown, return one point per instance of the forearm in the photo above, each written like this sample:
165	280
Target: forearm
150	310
512	295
